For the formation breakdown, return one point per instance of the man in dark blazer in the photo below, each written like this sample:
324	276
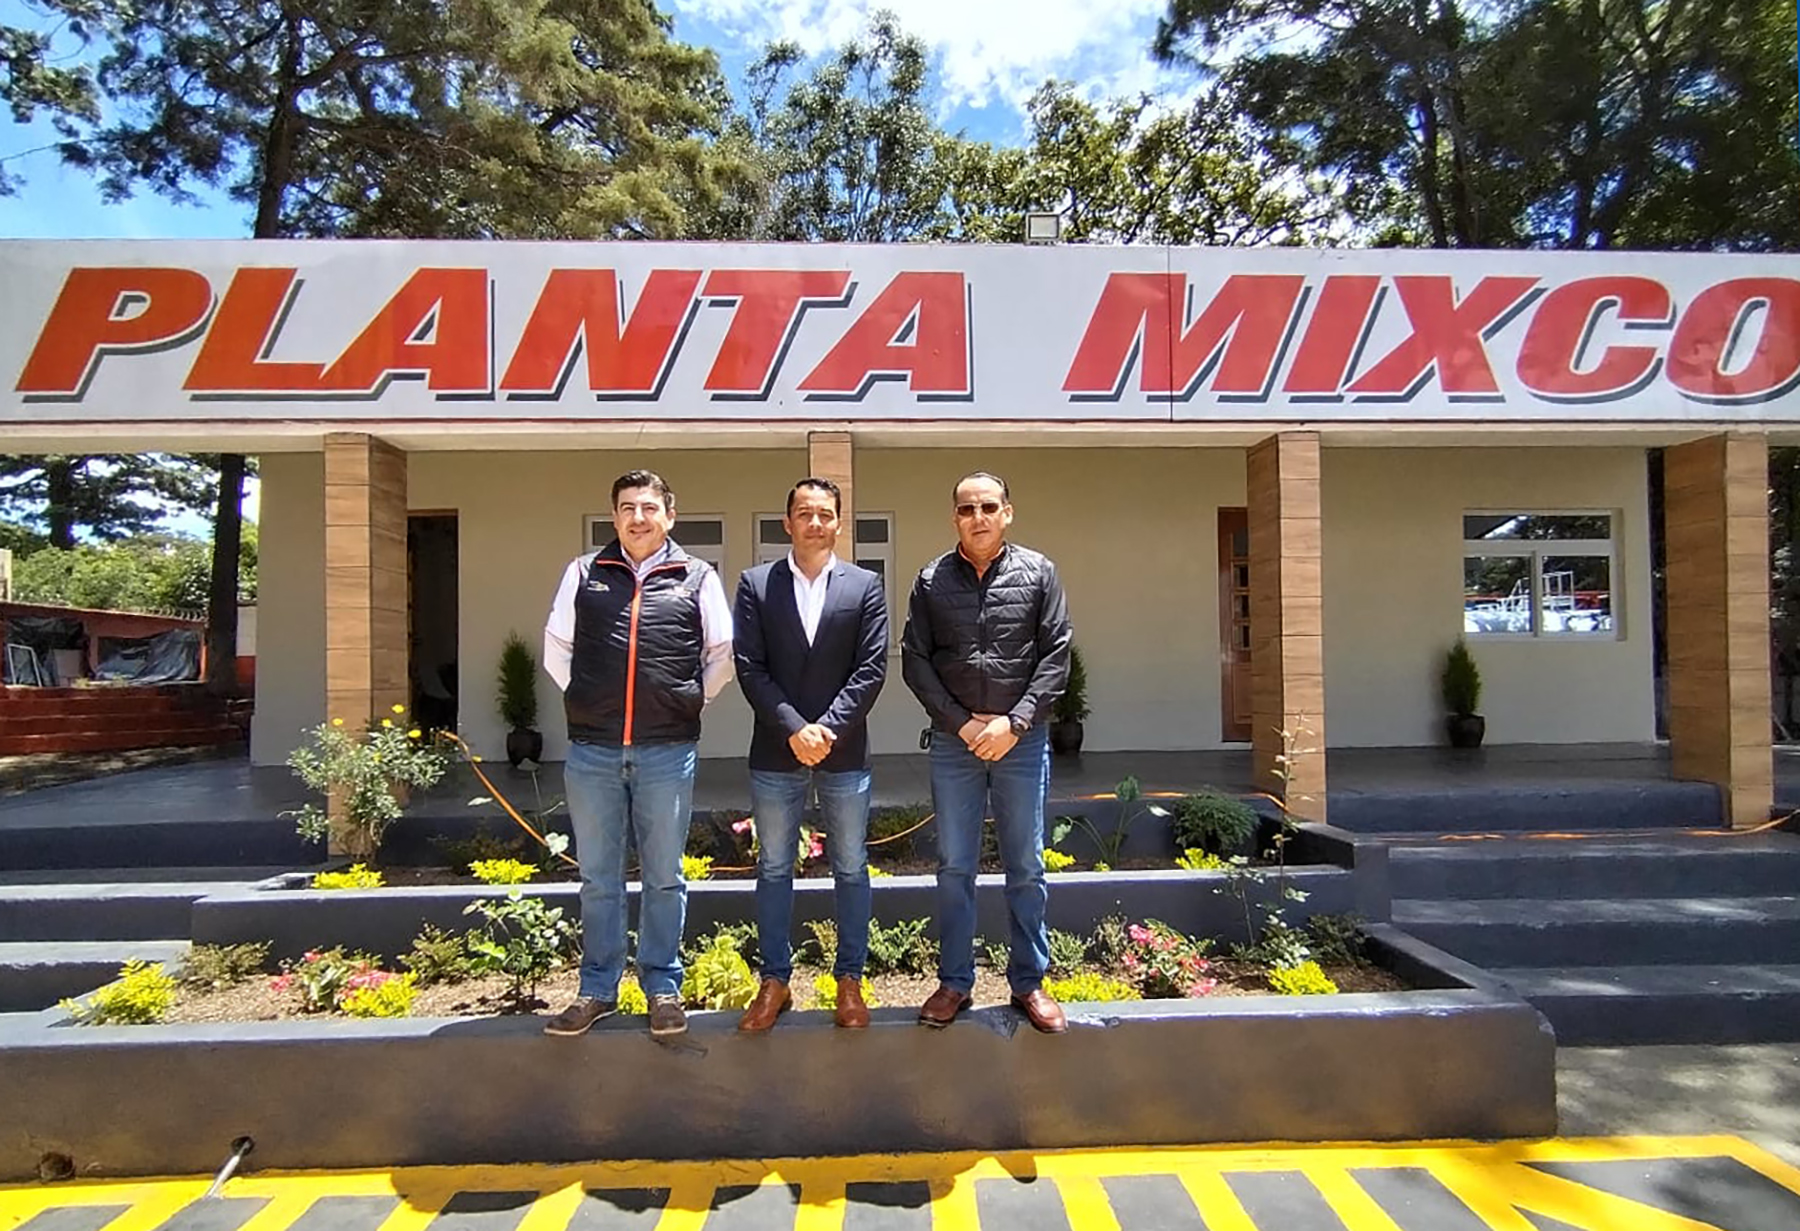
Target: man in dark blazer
811	649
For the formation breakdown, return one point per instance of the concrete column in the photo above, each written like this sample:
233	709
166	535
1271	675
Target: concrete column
1716	537
1287	655
365	577
832	455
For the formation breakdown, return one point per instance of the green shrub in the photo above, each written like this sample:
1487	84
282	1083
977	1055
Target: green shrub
1110	941
483	844
901	949
525	939
887	823
1282	945
1090	986
142	996
361	772
380	994
1306	979
740	936
502	871
824	940
1072	706
1336	940
211	967
1067	951
357	876
1165	962
696	867
438	956
1196	860
1461	681
516	687
824	990
632	999
322	976
718	977
1213	821
1056	861
998	955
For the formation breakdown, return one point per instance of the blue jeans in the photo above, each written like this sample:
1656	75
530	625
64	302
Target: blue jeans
650	789
961	786
779	797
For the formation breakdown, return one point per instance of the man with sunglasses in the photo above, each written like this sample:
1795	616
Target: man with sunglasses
986	651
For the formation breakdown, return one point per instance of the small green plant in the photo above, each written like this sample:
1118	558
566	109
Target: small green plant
1056	861
1336	940
322	976
824	941
696	867
740	936
380	993
1092	987
516	687
1165	962
876	874
212	967
718	977
142	996
362	775
1306	979
887	825
1067	951
356	876
902	948
1196	860
1111	941
1213	821
1072	706
1461	681
502	871
1131	806
824	990
525	939
632	999
1280	947
997	955
438	956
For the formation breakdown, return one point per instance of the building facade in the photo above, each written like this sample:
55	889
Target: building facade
1279	483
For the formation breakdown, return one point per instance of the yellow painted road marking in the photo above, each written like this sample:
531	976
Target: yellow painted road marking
1493	1180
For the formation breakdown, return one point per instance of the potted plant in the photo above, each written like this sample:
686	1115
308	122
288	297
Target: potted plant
1066	714
518	701
1462	697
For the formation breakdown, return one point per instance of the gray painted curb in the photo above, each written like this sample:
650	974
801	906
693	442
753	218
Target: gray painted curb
1461	1058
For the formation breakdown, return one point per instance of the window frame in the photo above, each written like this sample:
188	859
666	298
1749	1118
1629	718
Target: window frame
766	553
1534	551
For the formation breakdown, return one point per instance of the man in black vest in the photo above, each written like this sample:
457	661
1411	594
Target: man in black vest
986	651
811	649
639	639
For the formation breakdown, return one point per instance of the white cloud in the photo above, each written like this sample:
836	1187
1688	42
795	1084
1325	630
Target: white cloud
988	51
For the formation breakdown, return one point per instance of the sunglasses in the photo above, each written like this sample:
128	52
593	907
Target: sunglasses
988	507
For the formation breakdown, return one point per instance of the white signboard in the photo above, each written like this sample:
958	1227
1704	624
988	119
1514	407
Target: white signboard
366	330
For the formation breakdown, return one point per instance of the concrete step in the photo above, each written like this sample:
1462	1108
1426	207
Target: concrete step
156	910
119	741
37	974
85	723
214	879
1616	1005
250	843
1653	865
1528	806
1547	932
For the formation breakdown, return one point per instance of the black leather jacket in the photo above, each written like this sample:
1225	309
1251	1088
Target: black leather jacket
997	644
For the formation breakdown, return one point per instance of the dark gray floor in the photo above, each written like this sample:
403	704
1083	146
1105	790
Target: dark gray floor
225	791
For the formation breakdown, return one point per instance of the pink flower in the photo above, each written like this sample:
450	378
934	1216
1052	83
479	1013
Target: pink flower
281	983
1138	932
1204	987
744	825
1130	960
815	847
311	955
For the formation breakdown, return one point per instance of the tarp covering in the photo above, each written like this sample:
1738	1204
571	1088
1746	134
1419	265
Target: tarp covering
164	658
40	635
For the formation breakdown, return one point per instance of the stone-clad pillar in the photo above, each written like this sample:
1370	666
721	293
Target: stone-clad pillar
1716	538
832	455
1287	655
365	577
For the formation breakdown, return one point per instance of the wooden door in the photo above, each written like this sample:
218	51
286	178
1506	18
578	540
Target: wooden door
1234	622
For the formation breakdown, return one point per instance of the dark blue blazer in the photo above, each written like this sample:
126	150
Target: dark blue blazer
833	681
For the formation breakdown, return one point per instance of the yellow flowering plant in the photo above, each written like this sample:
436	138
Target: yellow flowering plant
361	777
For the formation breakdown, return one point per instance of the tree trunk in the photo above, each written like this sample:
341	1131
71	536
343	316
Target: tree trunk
221	599
59	493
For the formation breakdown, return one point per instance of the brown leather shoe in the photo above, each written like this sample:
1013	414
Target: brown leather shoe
852	1013
942	1006
579	1016
1045	1014
772	1000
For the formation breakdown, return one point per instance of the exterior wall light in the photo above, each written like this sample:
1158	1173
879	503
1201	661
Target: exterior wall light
1043	228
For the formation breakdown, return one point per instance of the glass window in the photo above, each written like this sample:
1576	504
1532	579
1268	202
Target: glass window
1539	574
692	532
769	531
871	530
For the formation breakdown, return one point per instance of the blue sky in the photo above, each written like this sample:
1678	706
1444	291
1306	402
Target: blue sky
989	56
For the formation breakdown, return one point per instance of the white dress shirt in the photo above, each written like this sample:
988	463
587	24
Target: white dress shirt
715	622
809	596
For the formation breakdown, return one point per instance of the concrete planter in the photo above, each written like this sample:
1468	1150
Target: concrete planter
1459	1058
1337	876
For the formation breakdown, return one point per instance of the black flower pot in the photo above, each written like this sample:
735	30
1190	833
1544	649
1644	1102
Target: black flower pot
1465	730
524	744
1065	738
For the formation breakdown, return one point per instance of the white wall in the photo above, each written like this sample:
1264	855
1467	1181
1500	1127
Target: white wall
1393	596
290	591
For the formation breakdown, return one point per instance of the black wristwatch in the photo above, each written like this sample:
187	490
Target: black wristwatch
1019	725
